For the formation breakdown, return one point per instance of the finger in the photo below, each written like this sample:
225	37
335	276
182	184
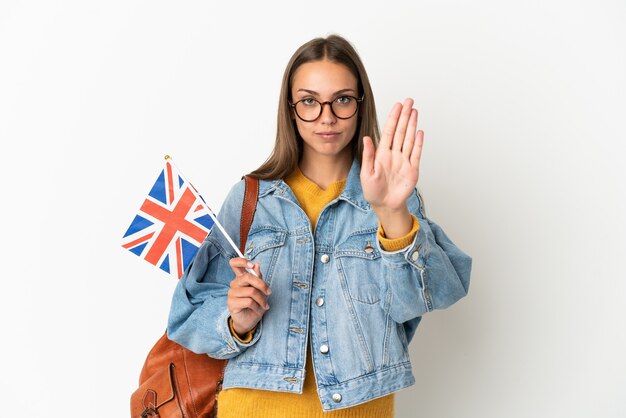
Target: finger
249	292
367	164
252	281
409	139
416	153
390	126
257	271
243	266
236	305
400	133
239	265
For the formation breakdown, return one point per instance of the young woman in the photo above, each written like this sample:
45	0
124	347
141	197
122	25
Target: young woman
345	260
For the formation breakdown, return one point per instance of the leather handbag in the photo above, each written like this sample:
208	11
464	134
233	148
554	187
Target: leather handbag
176	382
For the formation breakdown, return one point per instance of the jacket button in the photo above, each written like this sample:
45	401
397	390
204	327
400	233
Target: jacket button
337	397
320	301
325	258
415	256
324	349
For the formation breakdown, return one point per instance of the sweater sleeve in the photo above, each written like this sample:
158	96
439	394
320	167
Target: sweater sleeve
398	243
246	338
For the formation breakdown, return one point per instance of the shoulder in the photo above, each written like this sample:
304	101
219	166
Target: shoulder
231	205
237	191
235	197
268	186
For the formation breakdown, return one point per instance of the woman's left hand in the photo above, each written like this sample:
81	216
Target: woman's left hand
389	173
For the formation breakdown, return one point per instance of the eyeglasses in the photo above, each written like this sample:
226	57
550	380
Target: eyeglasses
343	107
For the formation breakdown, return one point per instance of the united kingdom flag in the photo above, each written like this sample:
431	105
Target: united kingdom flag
171	224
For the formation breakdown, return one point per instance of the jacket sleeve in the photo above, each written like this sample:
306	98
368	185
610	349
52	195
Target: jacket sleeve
198	318
431	273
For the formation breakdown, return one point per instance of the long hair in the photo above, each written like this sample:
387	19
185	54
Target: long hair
288	146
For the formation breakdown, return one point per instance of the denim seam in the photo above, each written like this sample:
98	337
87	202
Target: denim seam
425	290
357	253
215	242
363	232
388	324
252	250
355	318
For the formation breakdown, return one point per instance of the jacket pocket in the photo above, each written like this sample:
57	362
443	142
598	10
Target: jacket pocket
263	246
358	261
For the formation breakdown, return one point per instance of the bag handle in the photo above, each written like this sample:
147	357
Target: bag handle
247	210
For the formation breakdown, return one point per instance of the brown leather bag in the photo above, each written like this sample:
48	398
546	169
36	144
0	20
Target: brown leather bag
176	382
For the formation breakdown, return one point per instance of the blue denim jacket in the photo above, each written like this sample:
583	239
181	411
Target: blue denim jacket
359	304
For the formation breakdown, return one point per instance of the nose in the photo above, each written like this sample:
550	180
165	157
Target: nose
327	116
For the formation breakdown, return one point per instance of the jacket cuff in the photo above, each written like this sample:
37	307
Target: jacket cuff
234	345
247	336
415	253
398	243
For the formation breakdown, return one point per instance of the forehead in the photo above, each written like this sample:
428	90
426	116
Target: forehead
323	77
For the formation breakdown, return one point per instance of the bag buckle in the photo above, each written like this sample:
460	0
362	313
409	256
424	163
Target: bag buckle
149	401
149	413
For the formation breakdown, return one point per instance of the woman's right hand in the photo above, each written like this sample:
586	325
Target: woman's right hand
247	296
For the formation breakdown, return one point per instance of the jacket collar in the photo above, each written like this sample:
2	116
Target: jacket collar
352	191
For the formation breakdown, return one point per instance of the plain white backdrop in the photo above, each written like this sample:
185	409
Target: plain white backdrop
523	106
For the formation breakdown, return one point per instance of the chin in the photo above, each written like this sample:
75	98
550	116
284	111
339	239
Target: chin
333	152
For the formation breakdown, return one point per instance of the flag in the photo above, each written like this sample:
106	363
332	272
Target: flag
171	223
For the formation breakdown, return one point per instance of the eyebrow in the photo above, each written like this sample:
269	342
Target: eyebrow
334	94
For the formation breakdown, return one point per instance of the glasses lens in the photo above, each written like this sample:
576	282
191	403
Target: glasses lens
344	107
308	109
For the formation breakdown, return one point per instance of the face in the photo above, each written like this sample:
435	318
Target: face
325	81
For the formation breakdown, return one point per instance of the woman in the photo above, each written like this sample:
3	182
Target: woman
345	261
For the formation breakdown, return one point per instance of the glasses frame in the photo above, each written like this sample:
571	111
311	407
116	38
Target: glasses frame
330	103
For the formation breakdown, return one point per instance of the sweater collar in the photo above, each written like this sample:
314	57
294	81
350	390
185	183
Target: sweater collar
352	191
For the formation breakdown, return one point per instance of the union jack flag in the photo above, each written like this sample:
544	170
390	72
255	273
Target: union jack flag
171	224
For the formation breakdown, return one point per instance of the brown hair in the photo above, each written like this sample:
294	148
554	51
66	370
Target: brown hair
288	146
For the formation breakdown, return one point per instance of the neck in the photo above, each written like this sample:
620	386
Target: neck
324	170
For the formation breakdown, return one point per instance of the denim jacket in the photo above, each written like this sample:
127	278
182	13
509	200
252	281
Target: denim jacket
359	304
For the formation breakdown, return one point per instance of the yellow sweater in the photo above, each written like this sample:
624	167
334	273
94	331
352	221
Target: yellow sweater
254	403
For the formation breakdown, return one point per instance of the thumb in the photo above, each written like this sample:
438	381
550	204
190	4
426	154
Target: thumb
257	270
367	165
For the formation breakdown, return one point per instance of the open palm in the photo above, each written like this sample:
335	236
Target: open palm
389	173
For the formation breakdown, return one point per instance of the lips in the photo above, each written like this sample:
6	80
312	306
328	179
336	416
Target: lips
329	134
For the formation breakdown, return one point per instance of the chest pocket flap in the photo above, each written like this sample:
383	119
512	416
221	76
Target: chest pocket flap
264	238
360	244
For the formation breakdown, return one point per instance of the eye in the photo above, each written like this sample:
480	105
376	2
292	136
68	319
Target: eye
343	100
308	101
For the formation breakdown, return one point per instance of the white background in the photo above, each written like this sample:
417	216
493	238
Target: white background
523	106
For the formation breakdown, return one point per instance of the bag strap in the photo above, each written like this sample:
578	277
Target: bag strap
247	210
247	214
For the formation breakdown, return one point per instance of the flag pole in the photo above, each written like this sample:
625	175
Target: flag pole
211	214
